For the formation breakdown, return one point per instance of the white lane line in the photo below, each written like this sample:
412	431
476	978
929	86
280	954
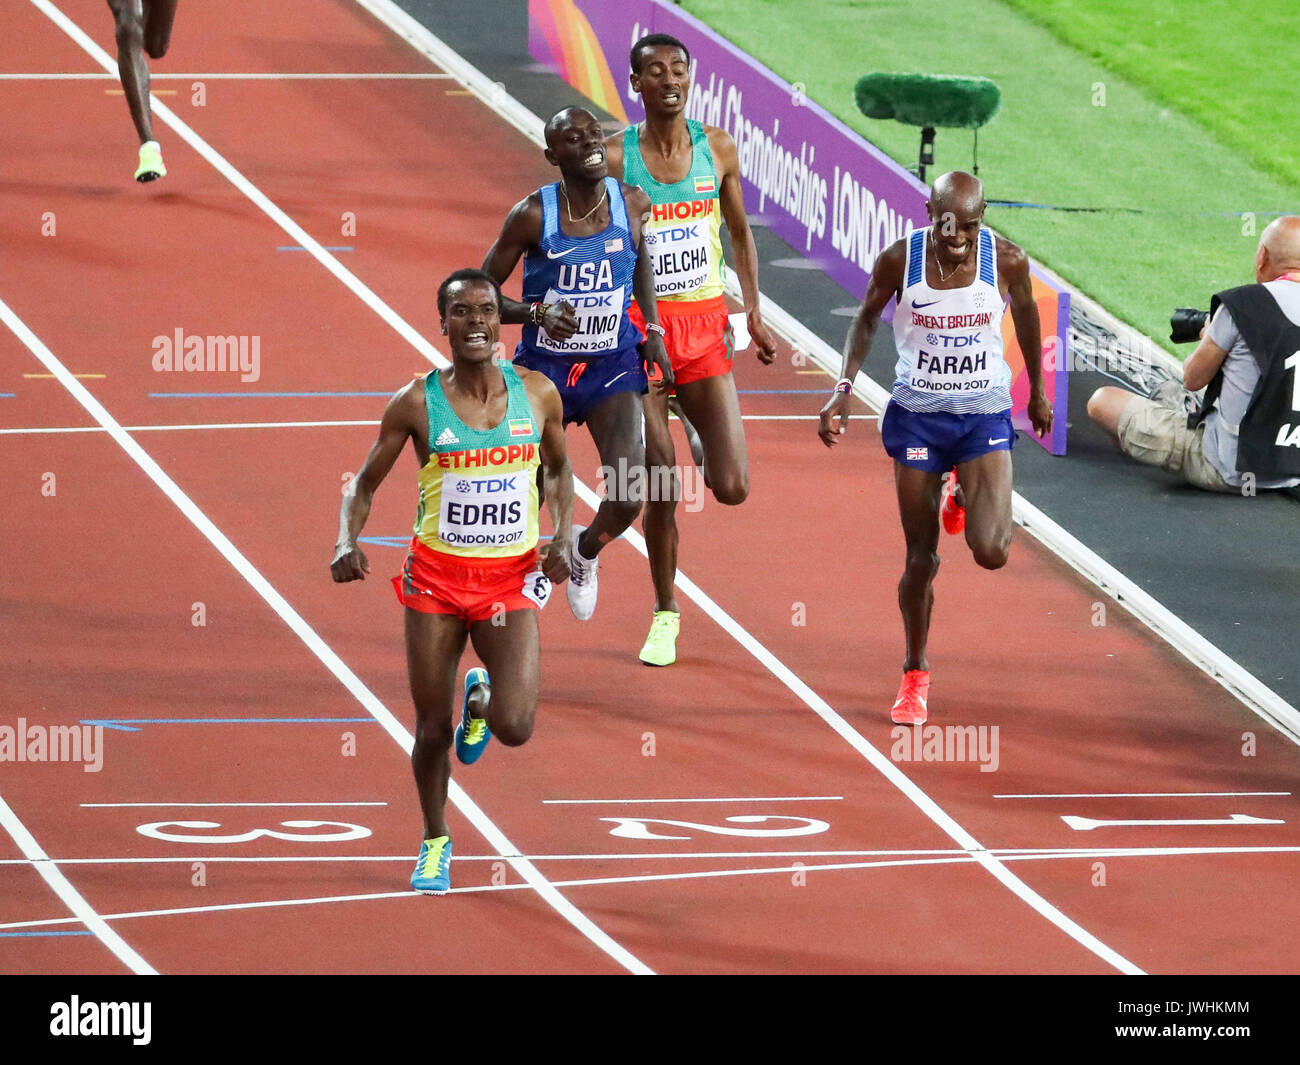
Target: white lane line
71	898
744	798
531	126
313	641
188	805
1143	795
179	428
232	76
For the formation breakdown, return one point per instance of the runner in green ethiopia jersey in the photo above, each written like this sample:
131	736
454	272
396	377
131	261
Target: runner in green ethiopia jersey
692	175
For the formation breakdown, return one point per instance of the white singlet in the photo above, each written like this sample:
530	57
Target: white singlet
950	340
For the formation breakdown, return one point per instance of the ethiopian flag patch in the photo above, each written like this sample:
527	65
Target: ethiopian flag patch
706	183
521	427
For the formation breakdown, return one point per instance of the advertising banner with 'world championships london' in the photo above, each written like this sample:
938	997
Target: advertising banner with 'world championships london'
806	176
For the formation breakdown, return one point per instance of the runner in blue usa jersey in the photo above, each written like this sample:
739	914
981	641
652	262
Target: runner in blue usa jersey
948	423
584	263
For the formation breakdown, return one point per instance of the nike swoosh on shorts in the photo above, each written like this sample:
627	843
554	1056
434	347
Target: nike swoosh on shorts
615	378
999	440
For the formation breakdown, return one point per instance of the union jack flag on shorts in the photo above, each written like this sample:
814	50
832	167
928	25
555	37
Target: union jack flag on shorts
918	454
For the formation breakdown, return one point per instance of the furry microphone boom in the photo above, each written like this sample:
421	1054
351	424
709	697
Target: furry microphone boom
928	99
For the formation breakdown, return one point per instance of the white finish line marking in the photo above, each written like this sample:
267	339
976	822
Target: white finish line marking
1087	824
189	805
744	798
1148	795
907	858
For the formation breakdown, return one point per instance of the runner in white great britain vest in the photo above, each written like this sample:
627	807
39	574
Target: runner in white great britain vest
947	425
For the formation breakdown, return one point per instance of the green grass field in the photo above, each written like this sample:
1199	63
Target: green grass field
1174	109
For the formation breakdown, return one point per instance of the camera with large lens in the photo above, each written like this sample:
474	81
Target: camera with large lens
1186	323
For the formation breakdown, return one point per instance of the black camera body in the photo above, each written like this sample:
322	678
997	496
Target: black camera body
1186	323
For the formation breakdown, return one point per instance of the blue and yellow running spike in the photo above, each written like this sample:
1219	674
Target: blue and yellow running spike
432	874
472	734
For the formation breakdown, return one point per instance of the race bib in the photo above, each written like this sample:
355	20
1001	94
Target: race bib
599	316
680	252
537	587
954	373
485	510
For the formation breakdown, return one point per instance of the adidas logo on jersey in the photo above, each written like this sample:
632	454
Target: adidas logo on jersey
446	437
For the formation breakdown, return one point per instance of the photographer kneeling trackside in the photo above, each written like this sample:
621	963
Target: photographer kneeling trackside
1248	362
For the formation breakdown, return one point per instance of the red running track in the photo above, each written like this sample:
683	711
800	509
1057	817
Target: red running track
902	866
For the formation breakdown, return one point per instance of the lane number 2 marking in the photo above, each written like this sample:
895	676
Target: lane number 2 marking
635	827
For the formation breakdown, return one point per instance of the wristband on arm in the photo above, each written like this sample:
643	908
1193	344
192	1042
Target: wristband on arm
843	385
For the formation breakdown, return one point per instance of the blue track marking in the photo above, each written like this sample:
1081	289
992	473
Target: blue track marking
128	724
15	935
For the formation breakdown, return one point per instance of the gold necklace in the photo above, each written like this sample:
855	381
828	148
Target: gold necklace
569	210
938	265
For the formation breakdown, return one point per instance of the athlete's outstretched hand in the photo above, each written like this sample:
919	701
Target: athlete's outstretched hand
555	560
349	564
764	343
560	320
834	418
653	349
1040	412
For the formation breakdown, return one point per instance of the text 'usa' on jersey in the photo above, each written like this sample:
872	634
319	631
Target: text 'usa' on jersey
593	273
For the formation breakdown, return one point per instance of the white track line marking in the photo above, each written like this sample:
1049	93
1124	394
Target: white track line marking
773	798
71	897
1006	853
1087	824
188	805
528	123
180	428
1144	795
233	76
313	641
458	796
643	857
932	858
